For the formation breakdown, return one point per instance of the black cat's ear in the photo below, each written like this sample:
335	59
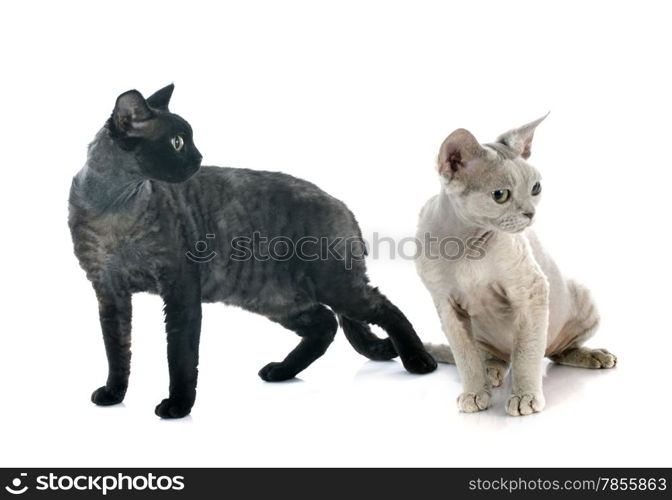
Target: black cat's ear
161	98
131	113
520	139
457	150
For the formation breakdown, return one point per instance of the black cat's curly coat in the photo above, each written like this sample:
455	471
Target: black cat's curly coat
141	204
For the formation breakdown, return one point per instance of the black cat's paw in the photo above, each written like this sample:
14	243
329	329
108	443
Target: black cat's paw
105	396
419	362
276	372
173	408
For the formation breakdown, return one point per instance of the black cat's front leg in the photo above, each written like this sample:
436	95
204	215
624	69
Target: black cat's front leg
183	328
114	309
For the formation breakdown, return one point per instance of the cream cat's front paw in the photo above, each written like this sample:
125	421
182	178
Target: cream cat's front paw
524	404
471	402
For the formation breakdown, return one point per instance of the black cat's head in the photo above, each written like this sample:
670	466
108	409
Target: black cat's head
161	141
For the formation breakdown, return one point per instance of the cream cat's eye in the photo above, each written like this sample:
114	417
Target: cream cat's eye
177	142
501	195
536	189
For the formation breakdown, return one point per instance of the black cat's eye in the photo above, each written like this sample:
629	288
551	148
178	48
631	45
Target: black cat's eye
536	189
501	195
177	142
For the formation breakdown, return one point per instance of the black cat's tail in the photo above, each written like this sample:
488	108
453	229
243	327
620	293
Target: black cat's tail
365	342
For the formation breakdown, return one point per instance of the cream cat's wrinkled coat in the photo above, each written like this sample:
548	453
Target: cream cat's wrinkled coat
507	304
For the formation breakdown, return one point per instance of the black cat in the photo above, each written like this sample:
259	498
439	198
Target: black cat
143	214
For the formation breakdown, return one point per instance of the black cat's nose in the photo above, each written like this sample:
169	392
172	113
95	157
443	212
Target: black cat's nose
529	215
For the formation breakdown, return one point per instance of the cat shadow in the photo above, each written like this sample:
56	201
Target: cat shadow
122	406
390	369
560	384
563	383
295	380
188	420
108	408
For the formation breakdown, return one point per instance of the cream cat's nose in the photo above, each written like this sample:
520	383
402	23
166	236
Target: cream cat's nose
529	215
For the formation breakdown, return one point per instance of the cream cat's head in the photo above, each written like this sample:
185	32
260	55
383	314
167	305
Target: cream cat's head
492	185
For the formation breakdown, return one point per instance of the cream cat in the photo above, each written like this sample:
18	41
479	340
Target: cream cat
511	306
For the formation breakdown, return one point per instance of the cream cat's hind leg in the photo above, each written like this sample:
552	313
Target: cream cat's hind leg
568	349
496	369
584	357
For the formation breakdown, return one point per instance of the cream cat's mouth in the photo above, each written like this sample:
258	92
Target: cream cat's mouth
514	226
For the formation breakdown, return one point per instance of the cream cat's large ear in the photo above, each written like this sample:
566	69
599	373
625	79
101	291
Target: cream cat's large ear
456	151
131	113
520	139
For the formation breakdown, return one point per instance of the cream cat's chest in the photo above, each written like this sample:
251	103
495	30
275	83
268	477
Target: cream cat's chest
492	290
506	262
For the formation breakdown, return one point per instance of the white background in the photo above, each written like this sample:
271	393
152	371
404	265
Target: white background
356	97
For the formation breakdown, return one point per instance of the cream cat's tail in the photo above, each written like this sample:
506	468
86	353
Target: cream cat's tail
440	352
